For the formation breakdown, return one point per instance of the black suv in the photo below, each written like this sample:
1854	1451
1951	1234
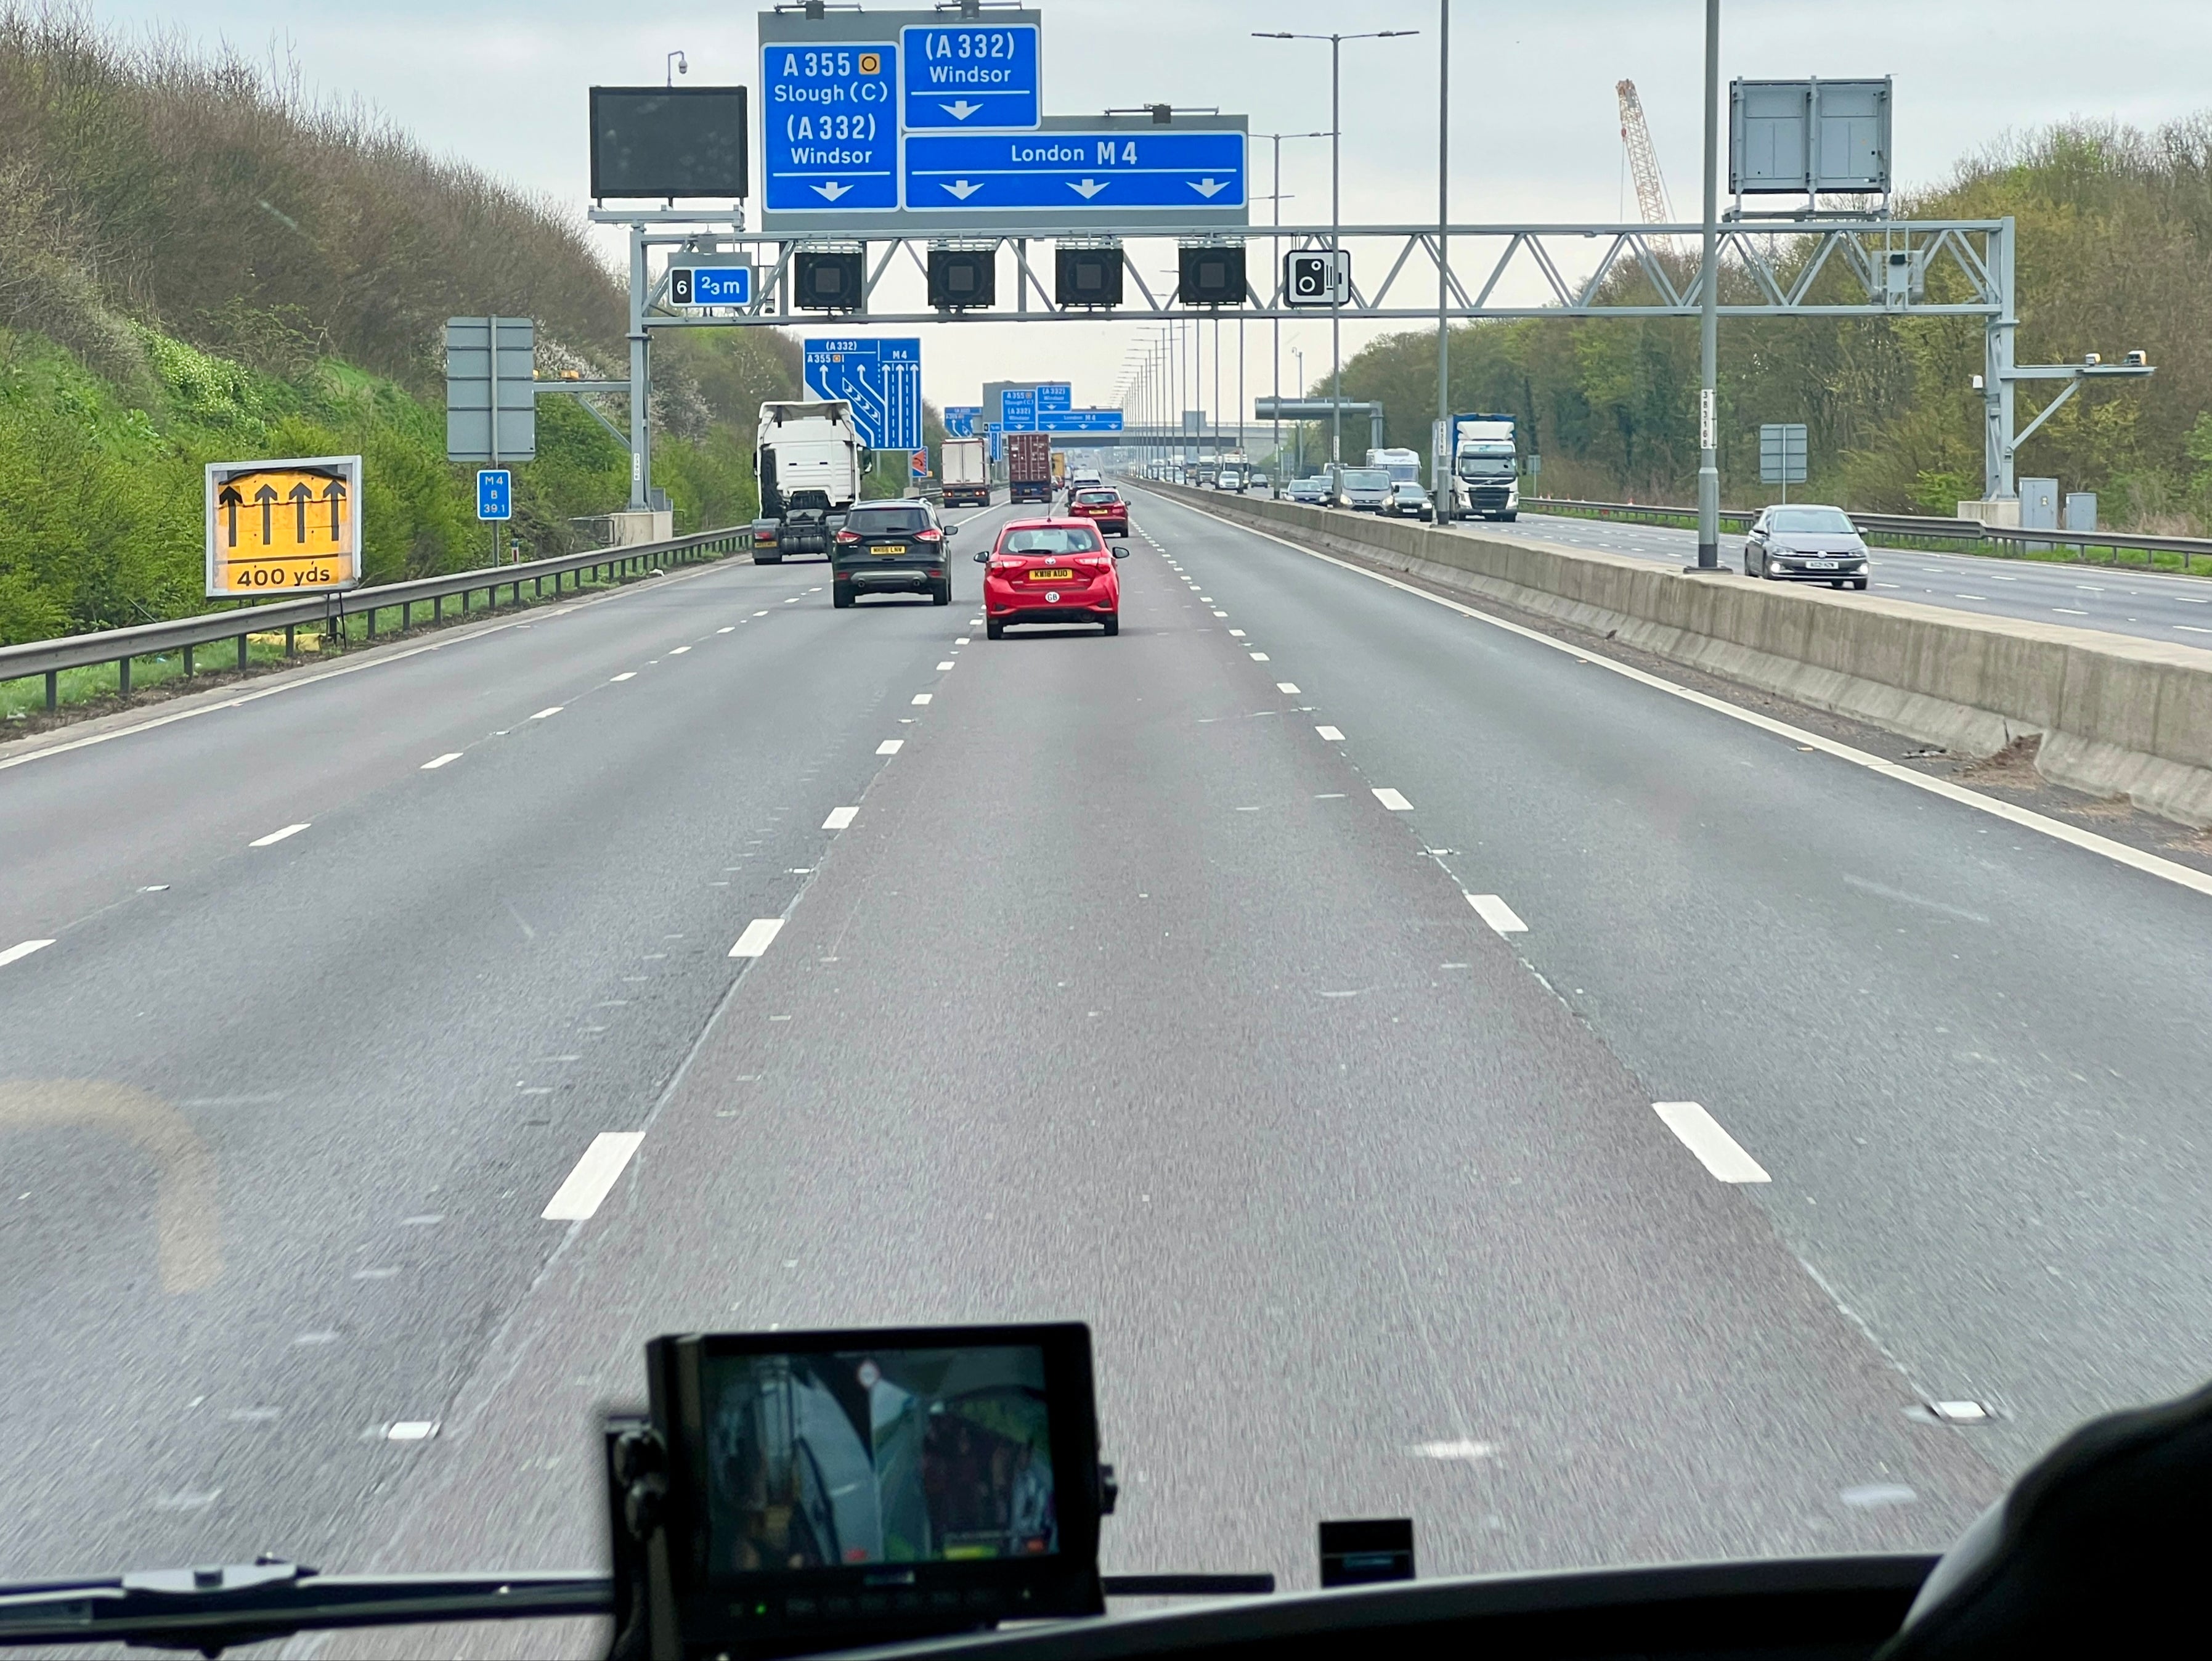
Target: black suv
890	548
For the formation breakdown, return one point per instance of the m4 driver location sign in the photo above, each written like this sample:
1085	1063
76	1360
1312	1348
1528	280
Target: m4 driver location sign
829	120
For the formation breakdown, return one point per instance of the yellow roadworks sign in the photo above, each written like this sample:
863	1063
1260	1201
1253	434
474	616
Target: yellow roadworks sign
284	526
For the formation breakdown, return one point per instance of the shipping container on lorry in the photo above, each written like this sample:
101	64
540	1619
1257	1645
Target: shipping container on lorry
1485	466
807	463
967	473
1029	466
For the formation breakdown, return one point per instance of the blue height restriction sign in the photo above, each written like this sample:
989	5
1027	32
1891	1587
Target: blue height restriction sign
829	122
495	493
971	74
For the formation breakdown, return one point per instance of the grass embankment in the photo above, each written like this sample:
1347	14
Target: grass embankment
198	264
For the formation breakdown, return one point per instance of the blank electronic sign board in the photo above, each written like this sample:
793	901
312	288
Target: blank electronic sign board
669	142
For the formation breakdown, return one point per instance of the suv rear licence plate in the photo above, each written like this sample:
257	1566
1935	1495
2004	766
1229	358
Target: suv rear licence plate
1058	574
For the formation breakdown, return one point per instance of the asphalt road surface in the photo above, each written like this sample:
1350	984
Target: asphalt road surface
2127	602
1285	987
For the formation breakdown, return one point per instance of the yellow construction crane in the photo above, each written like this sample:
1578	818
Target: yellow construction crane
1643	160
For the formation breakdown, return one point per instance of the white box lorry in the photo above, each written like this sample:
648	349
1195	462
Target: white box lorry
1485	467
967	472
807	462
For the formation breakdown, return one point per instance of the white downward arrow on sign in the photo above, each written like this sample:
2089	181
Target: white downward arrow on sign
1088	188
1206	187
832	191
962	110
962	190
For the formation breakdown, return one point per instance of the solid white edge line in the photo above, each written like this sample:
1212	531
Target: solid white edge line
22	949
593	1178
436	762
759	933
2089	841
840	817
460	634
1717	1151
279	835
1498	915
890	746
1392	799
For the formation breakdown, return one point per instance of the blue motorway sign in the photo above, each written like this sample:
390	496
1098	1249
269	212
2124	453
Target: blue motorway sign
710	285
829	120
1167	168
1018	410
495	493
991	430
971	74
880	379
1085	421
960	420
1054	398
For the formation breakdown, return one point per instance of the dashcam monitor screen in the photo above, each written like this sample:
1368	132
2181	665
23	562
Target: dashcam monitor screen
827	1460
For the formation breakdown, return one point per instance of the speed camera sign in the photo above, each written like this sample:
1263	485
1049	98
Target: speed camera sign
1307	277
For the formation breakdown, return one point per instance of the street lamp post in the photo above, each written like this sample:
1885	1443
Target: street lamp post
1275	247
1708	313
1298	432
1440	463
1335	214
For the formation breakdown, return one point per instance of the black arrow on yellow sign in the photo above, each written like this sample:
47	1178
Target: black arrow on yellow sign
231	500
335	494
267	496
302	493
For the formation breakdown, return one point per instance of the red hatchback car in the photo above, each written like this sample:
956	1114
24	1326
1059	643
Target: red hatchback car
1050	571
1102	506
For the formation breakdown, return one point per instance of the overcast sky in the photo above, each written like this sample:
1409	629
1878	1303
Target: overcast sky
1535	134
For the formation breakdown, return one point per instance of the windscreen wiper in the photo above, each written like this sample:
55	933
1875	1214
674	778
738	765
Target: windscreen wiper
212	1609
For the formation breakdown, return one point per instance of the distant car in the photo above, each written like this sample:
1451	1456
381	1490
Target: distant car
1103	506
1362	489
1314	491
1806	543
1408	500
890	548
1050	571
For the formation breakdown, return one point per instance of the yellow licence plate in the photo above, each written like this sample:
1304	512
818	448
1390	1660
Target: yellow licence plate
1056	574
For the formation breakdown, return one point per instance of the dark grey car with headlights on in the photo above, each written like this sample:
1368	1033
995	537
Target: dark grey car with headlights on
1802	543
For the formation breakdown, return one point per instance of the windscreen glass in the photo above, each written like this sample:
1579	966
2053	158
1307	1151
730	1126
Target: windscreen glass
1821	521
1366	478
879	521
920	1456
1054	539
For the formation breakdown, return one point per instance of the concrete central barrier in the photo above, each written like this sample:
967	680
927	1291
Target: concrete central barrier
2112	715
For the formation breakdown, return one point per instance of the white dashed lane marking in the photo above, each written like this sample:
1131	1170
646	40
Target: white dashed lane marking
759	934
1330	733
1498	915
1391	799
627	674
921	697
279	835
22	949
890	746
554	710
595	1175
1285	686
840	817
436	762
1716	1150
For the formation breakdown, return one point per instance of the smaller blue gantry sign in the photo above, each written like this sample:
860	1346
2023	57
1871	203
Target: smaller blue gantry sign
881	379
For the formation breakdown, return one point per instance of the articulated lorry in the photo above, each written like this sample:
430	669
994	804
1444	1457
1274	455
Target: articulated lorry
808	465
967	472
1485	467
1029	466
